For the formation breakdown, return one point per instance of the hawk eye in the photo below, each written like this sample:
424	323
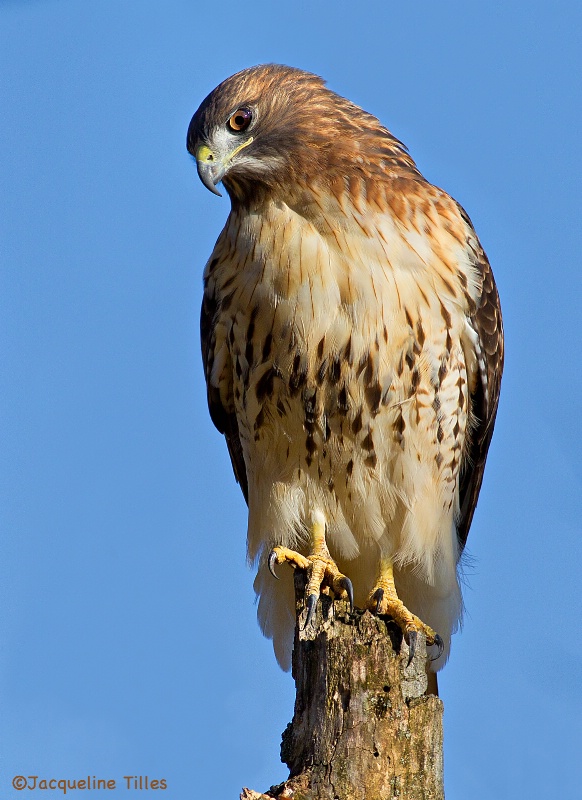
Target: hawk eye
240	120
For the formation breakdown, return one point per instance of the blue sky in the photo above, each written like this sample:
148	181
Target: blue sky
128	640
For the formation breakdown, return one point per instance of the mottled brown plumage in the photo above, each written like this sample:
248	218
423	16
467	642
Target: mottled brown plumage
353	348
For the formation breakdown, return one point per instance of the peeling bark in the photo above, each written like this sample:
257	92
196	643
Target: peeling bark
363	727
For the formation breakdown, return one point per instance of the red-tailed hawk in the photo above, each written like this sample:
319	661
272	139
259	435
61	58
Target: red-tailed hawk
353	348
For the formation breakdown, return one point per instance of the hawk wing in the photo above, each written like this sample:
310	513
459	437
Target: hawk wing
487	325
222	416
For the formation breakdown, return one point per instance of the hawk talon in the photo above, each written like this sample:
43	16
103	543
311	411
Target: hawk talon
345	583
322	571
272	561
411	638
378	596
440	646
407	622
310	605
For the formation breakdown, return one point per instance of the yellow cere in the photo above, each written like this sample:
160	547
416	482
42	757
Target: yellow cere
204	153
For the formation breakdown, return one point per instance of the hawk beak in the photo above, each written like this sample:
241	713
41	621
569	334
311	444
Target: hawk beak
210	170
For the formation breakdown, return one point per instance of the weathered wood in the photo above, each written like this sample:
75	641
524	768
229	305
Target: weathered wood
363	727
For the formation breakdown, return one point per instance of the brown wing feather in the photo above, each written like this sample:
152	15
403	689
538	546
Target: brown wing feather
224	420
488	325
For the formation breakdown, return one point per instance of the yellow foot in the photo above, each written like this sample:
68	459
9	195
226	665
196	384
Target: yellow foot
384	600
322	571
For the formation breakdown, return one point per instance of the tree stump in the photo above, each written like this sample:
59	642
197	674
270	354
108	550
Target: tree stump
363	727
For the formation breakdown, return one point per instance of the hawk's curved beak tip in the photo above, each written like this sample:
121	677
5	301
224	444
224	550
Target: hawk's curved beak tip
206	175
209	170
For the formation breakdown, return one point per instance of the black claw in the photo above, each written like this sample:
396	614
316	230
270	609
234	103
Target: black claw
378	597
311	606
272	560
411	638
440	645
346	584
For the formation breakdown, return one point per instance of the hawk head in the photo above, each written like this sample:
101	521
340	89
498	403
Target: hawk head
273	128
